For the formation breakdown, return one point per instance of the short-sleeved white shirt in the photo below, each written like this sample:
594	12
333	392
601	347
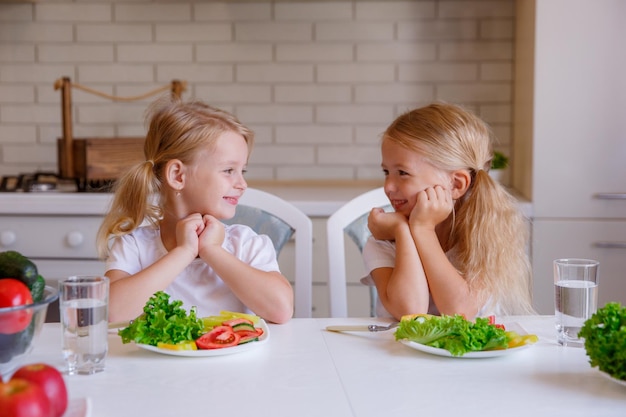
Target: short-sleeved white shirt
198	285
382	254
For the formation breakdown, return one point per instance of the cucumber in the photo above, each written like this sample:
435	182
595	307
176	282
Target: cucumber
14	265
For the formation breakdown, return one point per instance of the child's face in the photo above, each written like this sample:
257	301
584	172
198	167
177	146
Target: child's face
406	174
216	179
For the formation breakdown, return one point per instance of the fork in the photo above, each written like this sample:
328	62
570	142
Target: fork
362	328
379	328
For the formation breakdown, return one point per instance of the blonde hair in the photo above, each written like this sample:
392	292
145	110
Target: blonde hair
176	130
489	234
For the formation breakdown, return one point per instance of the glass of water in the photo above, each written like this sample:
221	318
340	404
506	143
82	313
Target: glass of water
576	297
84	305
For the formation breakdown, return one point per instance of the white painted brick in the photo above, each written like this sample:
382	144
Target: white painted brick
262	133
153	12
282	154
51	132
476	9
348	155
94	131
235	93
371	135
17	133
73	12
306	172
34	73
396	52
232	11
356	73
275	113
502	134
139	90
194	73
395	10
314	52
154	53
312	133
131	130
35	32
289	32
438	29
438	71
17	94
274	73
16	12
310	11
354	114
115	73
392	93
476	51
354	31
238	52
497	29
169	32
312	93
47	94
370	173
29	154
17	53
75	53
256	172
29	113
479	93
496	71
498	113
110	113
108	33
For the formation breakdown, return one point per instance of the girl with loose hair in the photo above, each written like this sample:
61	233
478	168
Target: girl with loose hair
163	231
456	241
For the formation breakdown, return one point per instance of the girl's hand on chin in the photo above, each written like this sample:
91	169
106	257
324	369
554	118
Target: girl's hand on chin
433	205
383	225
213	233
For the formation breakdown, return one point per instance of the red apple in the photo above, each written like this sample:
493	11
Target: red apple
51	382
21	398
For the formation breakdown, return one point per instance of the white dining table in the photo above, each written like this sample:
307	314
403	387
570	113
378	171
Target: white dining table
304	370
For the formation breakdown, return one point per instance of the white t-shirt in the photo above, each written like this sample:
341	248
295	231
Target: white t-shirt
198	285
382	254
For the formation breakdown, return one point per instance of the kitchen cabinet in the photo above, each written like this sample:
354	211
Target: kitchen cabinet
570	137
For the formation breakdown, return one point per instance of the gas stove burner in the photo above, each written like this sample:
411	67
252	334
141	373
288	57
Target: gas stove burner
38	182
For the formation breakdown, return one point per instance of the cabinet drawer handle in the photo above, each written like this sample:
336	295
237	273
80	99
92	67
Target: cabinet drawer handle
75	239
7	238
610	196
610	245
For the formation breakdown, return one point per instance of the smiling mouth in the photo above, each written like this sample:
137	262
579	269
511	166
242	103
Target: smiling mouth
232	200
396	204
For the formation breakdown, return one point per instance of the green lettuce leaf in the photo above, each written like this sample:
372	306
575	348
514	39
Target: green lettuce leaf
453	333
605	340
163	321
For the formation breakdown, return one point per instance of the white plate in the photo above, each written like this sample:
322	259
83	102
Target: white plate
215	352
617	381
469	355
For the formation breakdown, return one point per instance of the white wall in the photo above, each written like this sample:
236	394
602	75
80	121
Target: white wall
317	81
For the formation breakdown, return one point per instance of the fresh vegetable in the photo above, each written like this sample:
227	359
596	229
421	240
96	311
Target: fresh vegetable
219	337
456	334
186	345
213	321
605	339
15	265
50	380
163	321
14	293
22	398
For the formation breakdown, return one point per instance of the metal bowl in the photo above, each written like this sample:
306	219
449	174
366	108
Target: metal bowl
16	346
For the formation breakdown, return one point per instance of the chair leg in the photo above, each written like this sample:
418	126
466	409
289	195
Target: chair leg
373	300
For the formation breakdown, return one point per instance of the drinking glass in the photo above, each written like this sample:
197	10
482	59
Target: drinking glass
84	305
576	297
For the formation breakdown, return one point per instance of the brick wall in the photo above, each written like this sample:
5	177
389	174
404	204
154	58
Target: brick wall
318	81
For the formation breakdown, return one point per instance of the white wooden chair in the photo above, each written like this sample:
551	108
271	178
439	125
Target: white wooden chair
350	219
271	215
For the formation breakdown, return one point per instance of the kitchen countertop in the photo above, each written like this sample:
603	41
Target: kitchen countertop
316	200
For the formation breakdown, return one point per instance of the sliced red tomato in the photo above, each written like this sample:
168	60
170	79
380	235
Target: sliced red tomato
14	293
219	337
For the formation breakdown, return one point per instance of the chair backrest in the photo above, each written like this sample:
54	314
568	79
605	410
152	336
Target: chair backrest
350	219
271	215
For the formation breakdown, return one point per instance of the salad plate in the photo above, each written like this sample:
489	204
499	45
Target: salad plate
617	381
215	352
469	355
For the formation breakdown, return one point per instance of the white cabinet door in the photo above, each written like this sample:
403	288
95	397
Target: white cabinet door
579	108
602	240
